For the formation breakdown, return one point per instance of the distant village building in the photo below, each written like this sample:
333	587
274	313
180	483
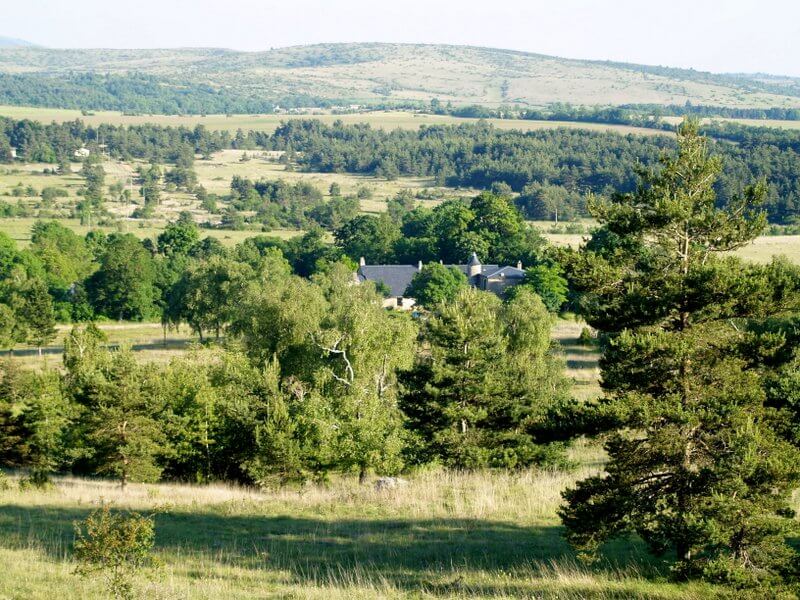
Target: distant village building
490	278
82	153
13	152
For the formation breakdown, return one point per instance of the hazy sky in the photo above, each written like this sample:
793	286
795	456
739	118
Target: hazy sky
715	35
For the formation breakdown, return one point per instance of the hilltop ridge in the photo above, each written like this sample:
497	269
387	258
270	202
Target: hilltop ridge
371	73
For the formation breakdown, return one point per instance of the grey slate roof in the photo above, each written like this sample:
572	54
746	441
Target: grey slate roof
510	272
396	277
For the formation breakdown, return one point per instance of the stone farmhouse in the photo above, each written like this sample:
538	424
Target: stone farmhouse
491	278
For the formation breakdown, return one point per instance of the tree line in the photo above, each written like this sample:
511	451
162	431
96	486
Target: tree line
176	277
575	162
635	115
138	93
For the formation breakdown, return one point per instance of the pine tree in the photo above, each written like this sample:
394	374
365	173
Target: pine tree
34	416
119	426
37	314
478	397
697	463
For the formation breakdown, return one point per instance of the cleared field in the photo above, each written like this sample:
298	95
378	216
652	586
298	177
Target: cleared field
19	229
443	535
216	174
149	340
775	123
268	123
764	248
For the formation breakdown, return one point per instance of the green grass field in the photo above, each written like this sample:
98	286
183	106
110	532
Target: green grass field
149	340
443	535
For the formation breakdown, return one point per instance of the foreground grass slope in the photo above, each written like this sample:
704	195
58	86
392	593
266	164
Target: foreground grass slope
443	535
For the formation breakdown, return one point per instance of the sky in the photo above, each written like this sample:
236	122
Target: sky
709	35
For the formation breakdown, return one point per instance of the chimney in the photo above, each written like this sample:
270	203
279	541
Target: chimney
519	265
361	262
419	265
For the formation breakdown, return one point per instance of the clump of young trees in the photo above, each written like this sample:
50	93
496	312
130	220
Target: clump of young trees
314	377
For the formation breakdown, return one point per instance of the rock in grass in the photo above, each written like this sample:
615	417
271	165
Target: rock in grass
389	483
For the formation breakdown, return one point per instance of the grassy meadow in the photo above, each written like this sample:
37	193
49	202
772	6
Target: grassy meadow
19	229
442	535
216	174
761	250
150	341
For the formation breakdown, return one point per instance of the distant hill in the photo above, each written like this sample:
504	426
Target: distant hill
6	42
391	73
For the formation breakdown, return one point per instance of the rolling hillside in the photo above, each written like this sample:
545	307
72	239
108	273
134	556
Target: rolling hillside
397	73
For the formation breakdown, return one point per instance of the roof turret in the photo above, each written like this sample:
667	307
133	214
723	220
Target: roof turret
474	266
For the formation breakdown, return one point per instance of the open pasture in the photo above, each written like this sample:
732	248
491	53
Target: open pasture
216	174
774	123
149	340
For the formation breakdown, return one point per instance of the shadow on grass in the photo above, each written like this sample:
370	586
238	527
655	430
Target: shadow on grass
581	364
403	552
169	344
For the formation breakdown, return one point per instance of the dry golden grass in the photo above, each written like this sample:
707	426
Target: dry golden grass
442	535
761	250
764	248
777	123
581	359
268	123
216	174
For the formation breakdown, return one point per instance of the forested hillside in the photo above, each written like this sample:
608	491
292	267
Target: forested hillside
216	80
552	170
